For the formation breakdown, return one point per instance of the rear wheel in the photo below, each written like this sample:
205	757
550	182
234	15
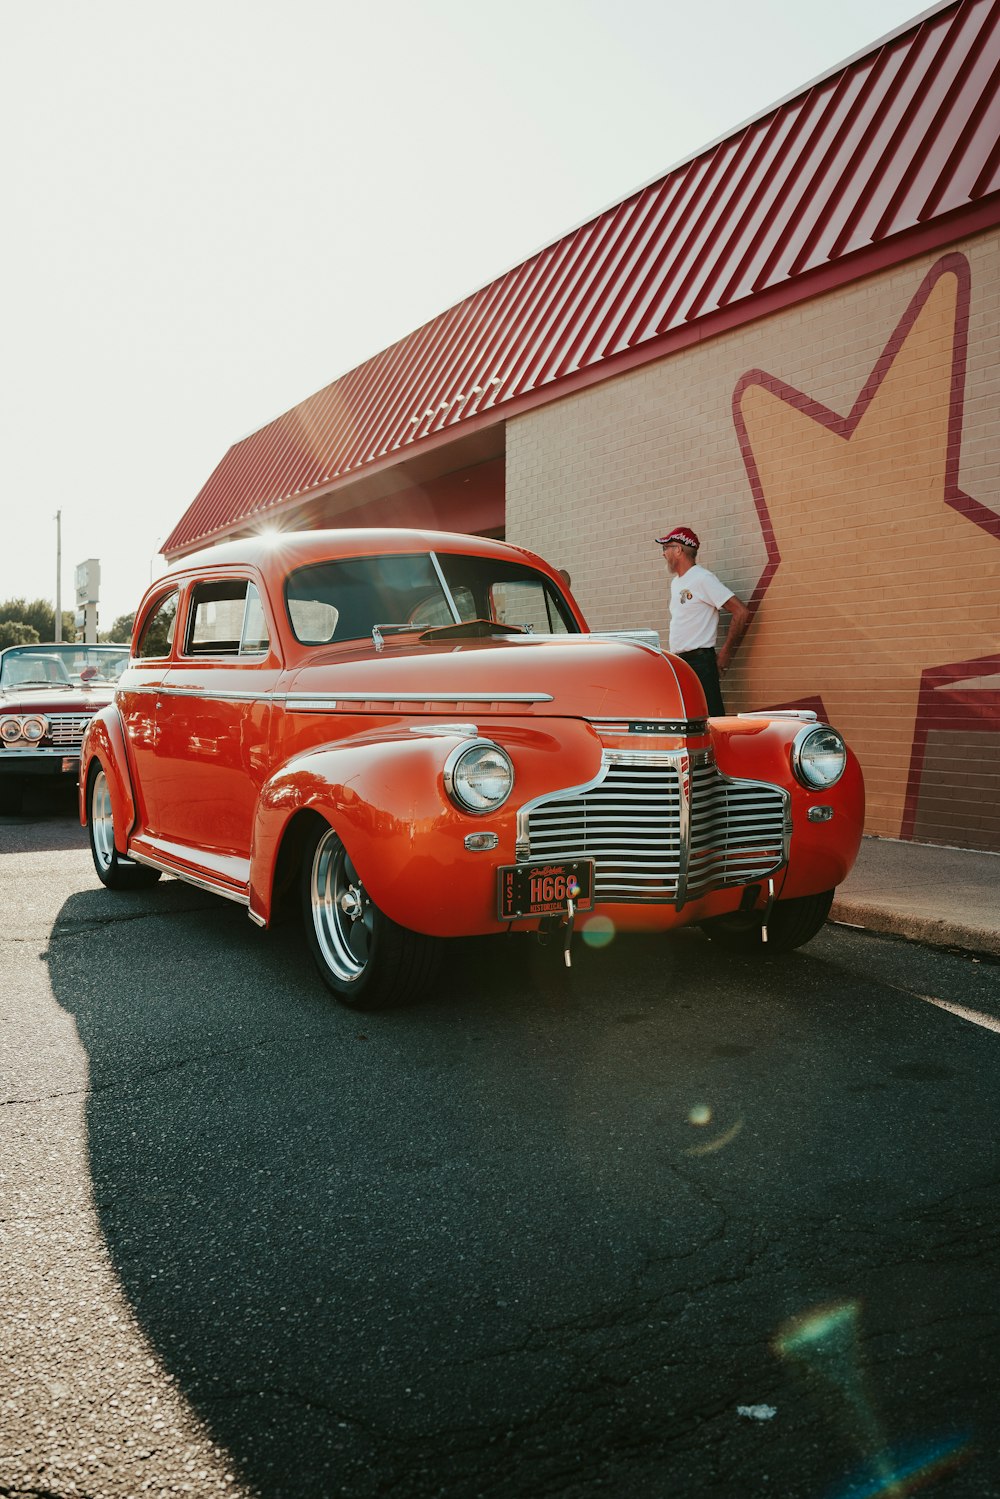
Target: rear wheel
113	870
793	923
368	961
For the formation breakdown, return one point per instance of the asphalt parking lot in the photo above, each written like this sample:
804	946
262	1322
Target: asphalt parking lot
682	1223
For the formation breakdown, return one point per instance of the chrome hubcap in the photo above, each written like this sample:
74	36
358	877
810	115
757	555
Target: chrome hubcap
342	914
102	826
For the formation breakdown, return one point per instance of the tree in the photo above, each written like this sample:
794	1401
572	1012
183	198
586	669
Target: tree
40	615
16	632
121	630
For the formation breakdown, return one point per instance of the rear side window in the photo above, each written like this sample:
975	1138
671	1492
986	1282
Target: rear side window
158	632
226	618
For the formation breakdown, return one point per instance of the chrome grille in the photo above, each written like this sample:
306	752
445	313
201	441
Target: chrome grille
737	831
648	843
67	728
629	824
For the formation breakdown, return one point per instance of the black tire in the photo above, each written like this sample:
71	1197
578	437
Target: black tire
113	870
11	797
367	960
793	923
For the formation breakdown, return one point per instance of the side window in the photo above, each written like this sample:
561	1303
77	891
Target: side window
255	639
226	618
158	631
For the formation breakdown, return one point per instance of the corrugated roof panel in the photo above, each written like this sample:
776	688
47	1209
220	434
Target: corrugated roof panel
967	174
951	132
652	249
759	193
823	163
893	141
903	167
664	281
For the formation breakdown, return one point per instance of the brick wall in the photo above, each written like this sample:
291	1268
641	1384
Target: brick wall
841	462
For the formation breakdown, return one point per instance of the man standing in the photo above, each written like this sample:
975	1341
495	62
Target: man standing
696	597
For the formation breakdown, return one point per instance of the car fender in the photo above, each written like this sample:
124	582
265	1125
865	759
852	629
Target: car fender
104	740
385	796
821	853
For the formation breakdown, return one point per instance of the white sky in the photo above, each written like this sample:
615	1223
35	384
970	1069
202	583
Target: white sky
212	208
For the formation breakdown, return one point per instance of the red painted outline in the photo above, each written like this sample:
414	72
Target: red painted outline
974	712
844	426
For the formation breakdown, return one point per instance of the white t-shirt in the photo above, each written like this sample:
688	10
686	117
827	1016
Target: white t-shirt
695	601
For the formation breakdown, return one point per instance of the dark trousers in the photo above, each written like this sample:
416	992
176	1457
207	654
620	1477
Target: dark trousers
706	669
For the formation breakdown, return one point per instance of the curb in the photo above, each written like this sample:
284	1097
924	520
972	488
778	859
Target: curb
933	931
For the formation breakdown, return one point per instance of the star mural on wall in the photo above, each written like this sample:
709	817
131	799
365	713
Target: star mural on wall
880	568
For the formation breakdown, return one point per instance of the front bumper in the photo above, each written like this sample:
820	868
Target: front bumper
38	762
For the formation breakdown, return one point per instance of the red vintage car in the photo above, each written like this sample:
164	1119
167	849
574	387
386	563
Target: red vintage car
417	732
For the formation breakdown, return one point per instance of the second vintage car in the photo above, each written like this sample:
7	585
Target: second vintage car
48	695
416	732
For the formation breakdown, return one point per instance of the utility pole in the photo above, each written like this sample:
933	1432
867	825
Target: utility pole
58	575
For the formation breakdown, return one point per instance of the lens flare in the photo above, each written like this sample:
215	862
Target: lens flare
599	931
826	1341
700	1114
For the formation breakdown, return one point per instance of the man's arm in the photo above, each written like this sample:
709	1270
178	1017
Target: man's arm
737	629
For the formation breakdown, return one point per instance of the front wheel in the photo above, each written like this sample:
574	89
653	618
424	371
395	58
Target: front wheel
113	870
793	923
368	961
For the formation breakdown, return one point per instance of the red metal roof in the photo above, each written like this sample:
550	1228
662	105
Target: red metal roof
894	152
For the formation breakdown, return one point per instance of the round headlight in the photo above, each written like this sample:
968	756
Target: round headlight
819	756
10	730
479	777
34	728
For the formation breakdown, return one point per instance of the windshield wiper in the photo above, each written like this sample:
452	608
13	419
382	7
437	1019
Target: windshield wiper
378	631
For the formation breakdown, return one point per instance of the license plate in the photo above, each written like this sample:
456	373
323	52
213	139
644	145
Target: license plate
542	888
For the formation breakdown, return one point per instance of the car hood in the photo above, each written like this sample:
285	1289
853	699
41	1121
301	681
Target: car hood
39	698
580	676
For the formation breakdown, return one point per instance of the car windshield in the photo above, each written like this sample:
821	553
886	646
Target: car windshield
67	665
346	599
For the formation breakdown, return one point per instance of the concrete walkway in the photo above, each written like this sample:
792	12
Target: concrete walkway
947	896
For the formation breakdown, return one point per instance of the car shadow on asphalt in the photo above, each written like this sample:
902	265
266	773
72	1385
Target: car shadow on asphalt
48	819
532	1235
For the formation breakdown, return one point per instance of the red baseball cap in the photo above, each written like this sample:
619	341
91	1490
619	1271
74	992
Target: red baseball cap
682	534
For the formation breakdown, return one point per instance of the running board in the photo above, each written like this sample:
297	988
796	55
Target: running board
202	879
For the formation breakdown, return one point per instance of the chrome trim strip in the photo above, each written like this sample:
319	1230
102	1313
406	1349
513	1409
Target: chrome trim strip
205	696
327	702
648	639
226	891
805	714
44	752
445	730
635	727
683	828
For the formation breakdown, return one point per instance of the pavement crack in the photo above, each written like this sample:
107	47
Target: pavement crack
70	928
